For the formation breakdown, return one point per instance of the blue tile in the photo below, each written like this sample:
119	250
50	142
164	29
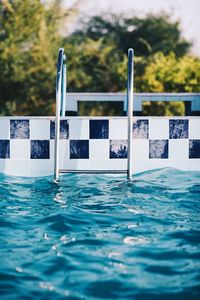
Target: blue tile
19	129
79	149
64	129
194	149
141	129
158	149
178	129
4	149
99	129
118	148
39	149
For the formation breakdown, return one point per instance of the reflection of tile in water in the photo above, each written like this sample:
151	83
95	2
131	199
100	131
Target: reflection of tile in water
194	149
99	129
118	148
158	148
19	129
79	149
141	129
40	149
178	129
4	149
64	129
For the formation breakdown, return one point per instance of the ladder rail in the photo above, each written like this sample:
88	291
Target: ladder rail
130	110
64	86
59	99
60	111
69	171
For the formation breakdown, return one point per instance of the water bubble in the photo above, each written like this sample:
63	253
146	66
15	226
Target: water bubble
18	269
46	286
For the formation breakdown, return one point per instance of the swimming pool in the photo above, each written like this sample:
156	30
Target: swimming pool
101	237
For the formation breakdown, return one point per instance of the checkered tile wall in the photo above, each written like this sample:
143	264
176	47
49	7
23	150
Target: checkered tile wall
27	144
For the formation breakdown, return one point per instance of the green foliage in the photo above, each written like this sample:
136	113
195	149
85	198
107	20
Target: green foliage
170	74
159	50
28	50
146	35
30	36
95	67
101	108
162	108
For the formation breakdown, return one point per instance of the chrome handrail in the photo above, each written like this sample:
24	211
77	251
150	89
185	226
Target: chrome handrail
64	87
60	105
130	109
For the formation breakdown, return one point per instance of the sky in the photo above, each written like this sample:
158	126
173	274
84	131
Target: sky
187	11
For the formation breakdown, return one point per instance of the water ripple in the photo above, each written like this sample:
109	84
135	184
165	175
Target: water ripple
101	237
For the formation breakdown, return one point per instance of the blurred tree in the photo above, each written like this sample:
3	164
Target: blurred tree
146	35
29	41
96	67
30	35
169	74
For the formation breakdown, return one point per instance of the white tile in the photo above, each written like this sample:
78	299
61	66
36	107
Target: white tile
194	128
64	153
87	164
117	164
63	149
140	149
178	149
159	163
20	149
4	129
158	128
41	167
5	166
77	164
99	164
194	164
21	167
180	164
39	129
140	165
78	129
118	129
99	149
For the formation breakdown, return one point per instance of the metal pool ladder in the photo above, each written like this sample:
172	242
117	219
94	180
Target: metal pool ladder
60	111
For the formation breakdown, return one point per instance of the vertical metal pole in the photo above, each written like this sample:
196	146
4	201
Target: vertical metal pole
58	104
130	109
64	83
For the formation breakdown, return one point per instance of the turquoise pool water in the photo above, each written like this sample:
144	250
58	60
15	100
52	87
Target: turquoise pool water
101	237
